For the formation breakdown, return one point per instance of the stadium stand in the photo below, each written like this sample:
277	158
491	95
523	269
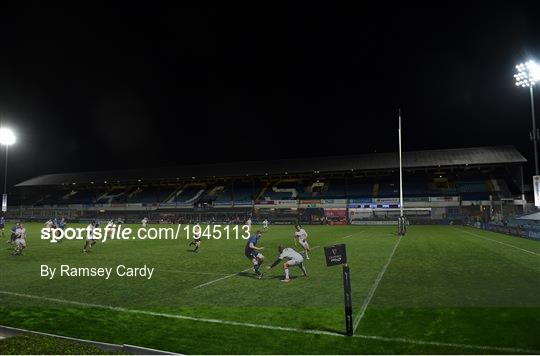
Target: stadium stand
449	182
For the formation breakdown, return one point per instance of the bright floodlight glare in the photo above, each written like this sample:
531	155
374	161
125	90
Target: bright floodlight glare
528	74
7	137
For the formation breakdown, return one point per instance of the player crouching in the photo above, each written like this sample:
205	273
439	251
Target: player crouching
252	253
292	258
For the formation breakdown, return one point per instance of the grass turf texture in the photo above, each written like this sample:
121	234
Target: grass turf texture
30	344
453	285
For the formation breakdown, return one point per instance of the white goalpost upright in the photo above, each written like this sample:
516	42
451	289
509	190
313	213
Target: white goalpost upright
401	219
400	169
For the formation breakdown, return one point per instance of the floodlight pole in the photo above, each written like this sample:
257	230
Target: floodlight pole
400	170
534	133
5	170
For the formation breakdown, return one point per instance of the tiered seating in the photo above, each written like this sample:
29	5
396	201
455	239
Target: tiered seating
388	189
224	196
335	190
116	195
472	190
86	196
359	189
243	192
284	190
53	198
190	193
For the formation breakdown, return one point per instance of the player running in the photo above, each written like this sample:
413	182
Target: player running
49	224
301	235
251	251
292	258
197	232
14	232
61	223
20	240
265	224
90	237
144	221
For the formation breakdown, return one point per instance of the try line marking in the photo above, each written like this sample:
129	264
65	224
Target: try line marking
374	287
500	242
273	327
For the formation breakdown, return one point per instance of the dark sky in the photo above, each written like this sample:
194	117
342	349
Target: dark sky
98	86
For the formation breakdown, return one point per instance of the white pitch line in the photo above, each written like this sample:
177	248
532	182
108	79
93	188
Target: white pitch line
500	242
444	344
374	287
272	327
220	279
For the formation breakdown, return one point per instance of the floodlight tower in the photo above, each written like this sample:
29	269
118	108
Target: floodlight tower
527	75
7	138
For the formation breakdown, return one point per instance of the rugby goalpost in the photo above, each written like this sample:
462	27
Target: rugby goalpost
401	219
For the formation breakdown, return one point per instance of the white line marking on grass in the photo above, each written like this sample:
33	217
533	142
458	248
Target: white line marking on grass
374	287
447	344
220	279
271	327
499	242
173	316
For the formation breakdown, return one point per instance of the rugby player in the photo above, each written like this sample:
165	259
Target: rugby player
252	253
301	235
291	258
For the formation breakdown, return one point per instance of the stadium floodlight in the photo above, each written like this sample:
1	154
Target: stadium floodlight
7	138
527	75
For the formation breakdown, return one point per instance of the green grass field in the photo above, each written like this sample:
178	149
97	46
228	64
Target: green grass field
440	289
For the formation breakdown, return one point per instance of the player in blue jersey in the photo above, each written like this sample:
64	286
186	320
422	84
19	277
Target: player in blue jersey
61	223
14	233
2	225
251	251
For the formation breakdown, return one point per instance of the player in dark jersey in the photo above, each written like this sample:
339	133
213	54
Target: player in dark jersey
251	251
2	225
196	238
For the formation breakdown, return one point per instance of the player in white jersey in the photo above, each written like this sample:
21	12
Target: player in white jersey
49	224
144	221
290	258
110	227
301	235
20	240
90	236
248	222
265	224
197	233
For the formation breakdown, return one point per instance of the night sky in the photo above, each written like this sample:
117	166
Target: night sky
130	86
